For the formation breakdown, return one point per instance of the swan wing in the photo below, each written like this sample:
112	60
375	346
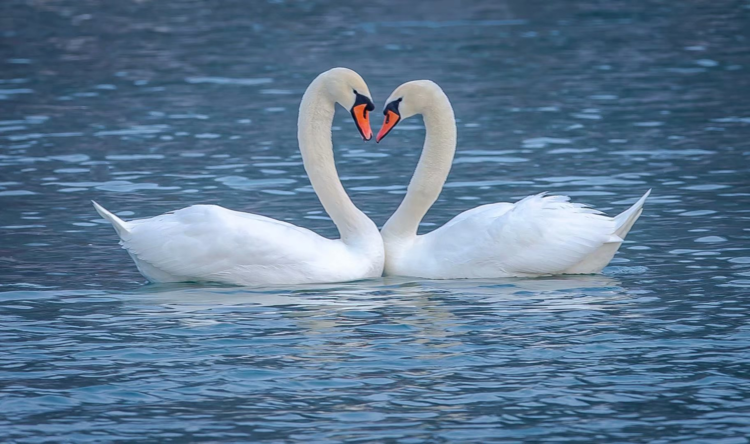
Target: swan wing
549	234
536	236
211	243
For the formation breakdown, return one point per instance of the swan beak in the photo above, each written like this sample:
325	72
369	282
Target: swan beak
391	119
361	116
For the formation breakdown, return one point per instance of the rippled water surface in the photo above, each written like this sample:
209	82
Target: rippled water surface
148	106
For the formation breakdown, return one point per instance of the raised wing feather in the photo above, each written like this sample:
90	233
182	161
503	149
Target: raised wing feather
535	236
548	234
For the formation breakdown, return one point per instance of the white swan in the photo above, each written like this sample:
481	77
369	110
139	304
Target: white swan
539	235
208	243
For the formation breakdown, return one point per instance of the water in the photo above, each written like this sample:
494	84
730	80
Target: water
152	106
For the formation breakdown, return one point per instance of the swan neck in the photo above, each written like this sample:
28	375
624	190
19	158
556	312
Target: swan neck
314	136
432	169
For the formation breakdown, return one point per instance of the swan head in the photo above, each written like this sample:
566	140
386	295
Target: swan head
348	89
407	100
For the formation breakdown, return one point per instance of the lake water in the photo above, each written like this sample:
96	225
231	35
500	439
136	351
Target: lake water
148	107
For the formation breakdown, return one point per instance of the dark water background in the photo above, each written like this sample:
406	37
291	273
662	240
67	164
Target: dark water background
149	106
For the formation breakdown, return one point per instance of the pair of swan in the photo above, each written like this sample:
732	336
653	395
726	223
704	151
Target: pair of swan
539	235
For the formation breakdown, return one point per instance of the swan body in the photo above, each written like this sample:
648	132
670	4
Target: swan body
536	236
208	243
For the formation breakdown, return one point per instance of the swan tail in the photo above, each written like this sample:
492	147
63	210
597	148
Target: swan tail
625	220
120	225
599	259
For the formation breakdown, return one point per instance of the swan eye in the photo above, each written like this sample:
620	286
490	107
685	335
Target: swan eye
392	107
360	99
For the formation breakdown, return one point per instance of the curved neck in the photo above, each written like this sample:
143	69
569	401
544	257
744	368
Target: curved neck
314	137
432	169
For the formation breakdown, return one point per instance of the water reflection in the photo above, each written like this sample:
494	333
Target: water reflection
383	292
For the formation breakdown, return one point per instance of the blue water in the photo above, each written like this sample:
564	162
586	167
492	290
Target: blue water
147	107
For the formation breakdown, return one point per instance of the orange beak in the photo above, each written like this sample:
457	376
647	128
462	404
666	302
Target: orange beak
362	119
391	119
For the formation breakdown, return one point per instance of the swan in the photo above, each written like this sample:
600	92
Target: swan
536	236
208	243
